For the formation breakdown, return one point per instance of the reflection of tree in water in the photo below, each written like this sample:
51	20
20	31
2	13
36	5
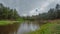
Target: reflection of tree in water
9	29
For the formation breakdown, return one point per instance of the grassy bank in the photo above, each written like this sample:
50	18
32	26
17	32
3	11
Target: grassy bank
5	22
49	28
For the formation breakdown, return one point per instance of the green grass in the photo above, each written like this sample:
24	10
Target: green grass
7	22
20	19
49	28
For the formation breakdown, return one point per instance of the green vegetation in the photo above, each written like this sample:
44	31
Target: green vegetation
6	22
8	15
49	28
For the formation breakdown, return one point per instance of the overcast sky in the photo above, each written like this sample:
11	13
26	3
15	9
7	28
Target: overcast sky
28	7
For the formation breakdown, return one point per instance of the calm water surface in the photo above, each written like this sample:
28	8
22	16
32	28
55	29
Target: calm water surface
22	28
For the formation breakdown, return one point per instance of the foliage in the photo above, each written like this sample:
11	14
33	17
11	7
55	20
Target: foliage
8	14
6	22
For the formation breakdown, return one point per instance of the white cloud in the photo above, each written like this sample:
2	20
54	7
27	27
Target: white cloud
24	14
42	8
46	4
33	12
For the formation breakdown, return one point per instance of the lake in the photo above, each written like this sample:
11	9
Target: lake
18	28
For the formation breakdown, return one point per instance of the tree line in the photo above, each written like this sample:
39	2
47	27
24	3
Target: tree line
7	13
53	13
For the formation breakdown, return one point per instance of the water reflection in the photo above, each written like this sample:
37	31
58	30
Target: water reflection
19	28
9	29
27	27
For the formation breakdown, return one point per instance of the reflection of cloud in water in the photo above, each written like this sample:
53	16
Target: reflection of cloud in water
25	27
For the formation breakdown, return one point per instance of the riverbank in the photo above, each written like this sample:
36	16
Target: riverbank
6	22
52	27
